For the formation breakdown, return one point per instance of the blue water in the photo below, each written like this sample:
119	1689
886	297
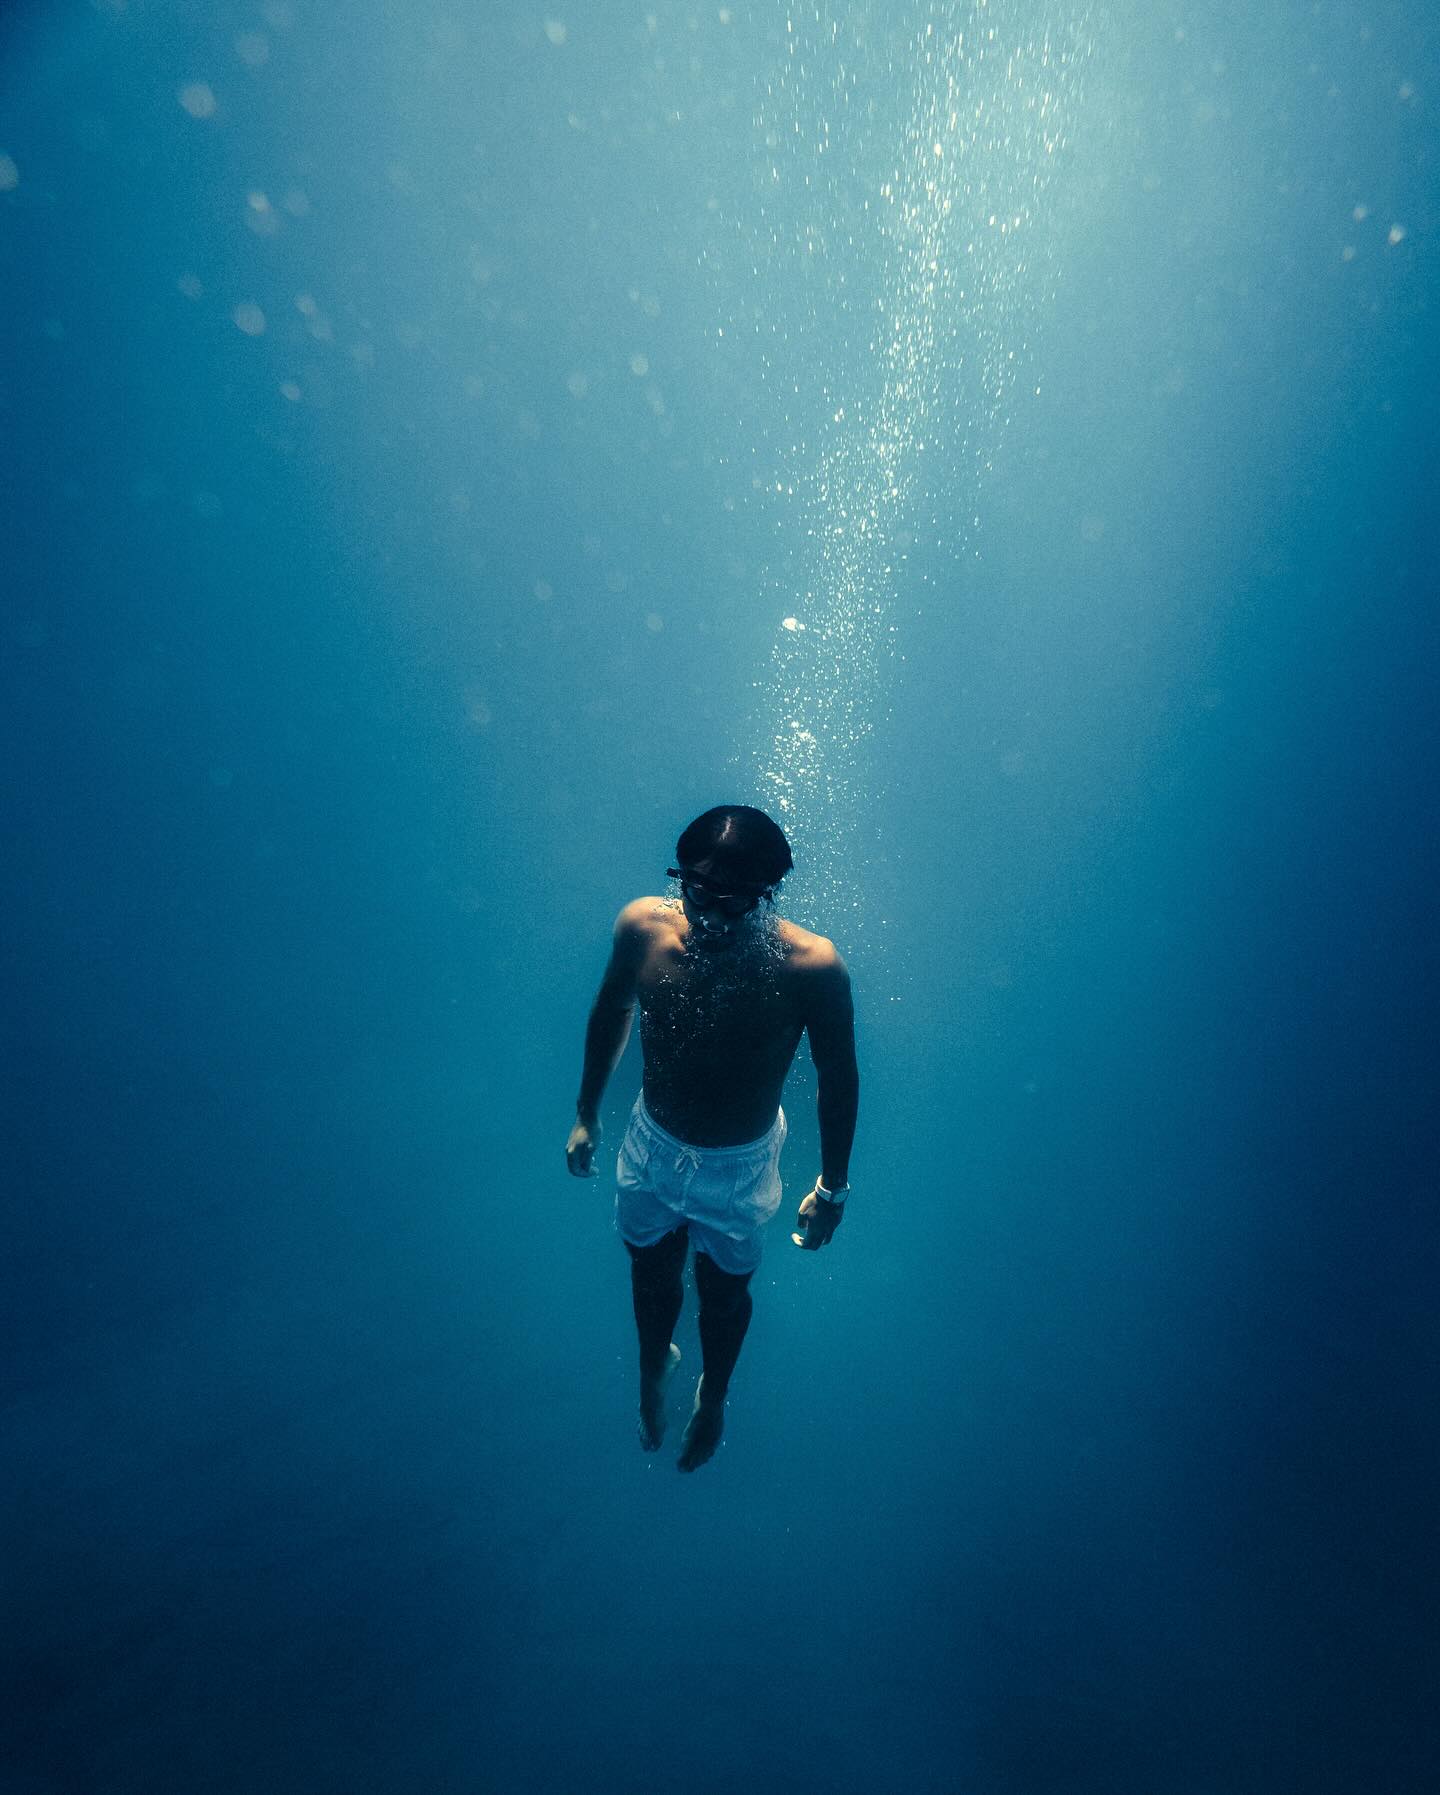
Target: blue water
420	424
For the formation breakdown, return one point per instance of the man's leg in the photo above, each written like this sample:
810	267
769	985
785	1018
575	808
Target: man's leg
657	1287
725	1309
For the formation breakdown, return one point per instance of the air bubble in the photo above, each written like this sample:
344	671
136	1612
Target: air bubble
198	99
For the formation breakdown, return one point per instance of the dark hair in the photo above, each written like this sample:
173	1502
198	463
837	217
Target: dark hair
746	845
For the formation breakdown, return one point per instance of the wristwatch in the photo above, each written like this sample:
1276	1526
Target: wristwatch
832	1196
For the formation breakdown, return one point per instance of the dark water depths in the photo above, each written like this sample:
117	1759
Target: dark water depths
420	424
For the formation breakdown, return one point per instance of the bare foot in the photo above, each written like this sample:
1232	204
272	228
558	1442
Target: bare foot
702	1431
652	1403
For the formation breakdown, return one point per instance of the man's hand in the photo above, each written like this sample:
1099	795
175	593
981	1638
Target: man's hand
580	1149
817	1221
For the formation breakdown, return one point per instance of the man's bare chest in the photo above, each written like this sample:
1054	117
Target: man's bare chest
716	1010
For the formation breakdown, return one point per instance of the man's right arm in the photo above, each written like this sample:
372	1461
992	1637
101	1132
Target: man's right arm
606	1033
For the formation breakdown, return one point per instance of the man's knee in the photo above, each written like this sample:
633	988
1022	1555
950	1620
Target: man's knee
720	1291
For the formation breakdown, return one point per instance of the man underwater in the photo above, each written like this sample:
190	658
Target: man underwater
726	987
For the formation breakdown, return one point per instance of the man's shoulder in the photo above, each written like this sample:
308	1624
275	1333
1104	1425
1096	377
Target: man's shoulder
644	916
808	952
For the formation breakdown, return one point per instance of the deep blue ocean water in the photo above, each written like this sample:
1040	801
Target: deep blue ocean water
447	447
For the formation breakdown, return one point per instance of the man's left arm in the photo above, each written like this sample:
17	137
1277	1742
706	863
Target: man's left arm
830	1023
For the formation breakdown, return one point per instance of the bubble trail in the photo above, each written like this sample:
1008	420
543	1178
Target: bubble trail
902	179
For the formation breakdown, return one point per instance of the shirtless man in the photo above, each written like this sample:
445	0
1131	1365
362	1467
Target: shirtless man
726	988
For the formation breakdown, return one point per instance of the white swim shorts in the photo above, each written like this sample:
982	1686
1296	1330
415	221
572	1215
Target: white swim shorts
724	1195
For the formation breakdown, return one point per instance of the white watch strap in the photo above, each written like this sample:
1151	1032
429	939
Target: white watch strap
832	1196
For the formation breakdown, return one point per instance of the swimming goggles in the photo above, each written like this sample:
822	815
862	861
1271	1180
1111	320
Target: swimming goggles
702	896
